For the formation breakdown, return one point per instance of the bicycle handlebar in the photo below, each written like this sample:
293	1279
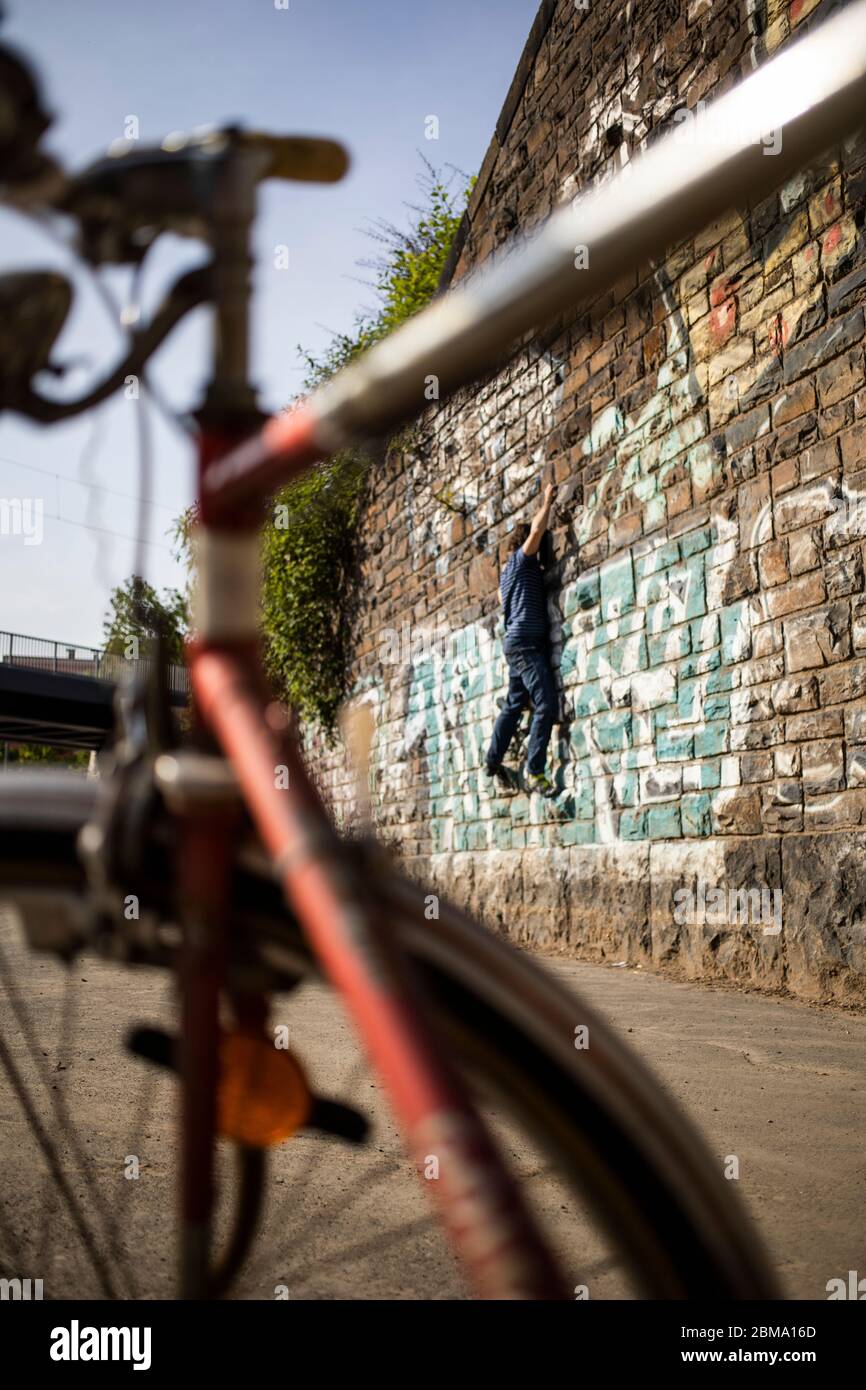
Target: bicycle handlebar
810	95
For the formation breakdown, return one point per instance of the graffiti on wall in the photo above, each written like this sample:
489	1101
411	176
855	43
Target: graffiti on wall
662	645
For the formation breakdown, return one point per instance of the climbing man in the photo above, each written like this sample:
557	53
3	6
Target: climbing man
527	651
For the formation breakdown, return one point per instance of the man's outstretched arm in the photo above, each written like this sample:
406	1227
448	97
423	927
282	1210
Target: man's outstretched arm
539	522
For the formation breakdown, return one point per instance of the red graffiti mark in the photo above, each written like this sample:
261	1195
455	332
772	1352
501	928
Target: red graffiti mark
796	10
710	260
829	200
832	239
723	317
779	333
722	322
720	292
810	253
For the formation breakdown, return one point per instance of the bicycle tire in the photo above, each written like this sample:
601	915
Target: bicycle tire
620	1140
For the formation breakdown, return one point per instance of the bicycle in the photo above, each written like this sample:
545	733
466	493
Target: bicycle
244	885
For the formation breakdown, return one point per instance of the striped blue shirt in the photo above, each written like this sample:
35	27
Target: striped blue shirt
524	600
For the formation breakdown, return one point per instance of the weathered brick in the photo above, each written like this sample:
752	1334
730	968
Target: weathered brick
794	403
737	811
804	550
813	352
814	724
806	505
852	444
819	458
787	762
823	766
805	592
843	572
818	638
795	693
782	806
843	683
858	623
756	767
855	765
773	564
841	378
835	811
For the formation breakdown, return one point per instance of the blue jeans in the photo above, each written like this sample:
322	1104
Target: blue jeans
529	678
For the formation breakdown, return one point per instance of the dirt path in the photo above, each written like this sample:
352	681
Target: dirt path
778	1084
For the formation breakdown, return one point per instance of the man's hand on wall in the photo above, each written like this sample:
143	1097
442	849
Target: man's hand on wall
540	520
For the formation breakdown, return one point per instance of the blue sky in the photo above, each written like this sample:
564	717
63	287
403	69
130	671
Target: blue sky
368	73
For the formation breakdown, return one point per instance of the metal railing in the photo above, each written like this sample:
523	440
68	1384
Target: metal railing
71	659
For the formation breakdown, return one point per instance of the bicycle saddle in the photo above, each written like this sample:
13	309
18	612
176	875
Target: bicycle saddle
126	199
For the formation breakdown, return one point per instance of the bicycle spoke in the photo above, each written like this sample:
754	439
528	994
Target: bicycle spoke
9	1236
49	1191
65	1128
100	1264
374	1245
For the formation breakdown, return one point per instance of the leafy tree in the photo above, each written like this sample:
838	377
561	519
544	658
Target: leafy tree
136	615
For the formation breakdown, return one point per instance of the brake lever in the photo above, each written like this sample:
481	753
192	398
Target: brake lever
189	292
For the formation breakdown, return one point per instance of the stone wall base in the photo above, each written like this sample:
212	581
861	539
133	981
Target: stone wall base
655	904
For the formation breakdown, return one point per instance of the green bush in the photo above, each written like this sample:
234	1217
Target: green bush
43	755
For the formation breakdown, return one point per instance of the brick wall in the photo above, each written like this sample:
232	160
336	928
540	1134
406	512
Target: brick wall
706	423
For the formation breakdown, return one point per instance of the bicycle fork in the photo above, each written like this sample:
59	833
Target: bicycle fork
205	858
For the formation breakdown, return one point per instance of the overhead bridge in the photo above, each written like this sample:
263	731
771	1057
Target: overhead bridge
62	695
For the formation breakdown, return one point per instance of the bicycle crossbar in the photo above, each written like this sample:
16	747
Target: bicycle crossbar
808	97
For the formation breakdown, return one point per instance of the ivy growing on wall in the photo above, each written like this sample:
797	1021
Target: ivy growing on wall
310	548
309	553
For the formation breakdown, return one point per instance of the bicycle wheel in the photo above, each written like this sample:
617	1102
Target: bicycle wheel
616	1139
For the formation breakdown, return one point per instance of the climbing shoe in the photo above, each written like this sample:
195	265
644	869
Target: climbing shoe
506	778
540	783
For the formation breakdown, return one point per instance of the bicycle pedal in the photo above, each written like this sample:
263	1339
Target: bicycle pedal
263	1096
327	1116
